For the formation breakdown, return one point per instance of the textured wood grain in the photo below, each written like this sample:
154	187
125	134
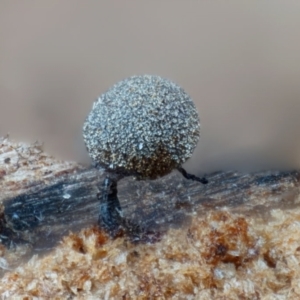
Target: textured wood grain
219	234
44	198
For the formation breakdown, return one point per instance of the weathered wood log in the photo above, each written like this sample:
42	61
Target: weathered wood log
69	202
44	199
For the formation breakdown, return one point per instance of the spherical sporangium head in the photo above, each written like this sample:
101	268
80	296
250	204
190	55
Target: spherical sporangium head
144	126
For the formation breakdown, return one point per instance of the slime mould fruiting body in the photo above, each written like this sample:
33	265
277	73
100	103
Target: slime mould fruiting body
145	126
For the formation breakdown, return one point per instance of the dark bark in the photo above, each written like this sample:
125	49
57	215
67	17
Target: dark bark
45	213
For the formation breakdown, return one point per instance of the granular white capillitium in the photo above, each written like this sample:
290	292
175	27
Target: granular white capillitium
144	126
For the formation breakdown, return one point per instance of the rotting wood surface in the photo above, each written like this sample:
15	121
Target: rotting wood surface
44	199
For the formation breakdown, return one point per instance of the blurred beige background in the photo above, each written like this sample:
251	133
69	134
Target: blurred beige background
240	62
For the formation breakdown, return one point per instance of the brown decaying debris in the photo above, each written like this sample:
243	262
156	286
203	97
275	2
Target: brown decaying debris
220	256
224	252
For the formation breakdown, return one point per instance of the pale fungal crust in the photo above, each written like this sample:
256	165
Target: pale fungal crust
220	255
144	126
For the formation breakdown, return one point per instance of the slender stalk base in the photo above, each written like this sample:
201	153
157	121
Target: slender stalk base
186	175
